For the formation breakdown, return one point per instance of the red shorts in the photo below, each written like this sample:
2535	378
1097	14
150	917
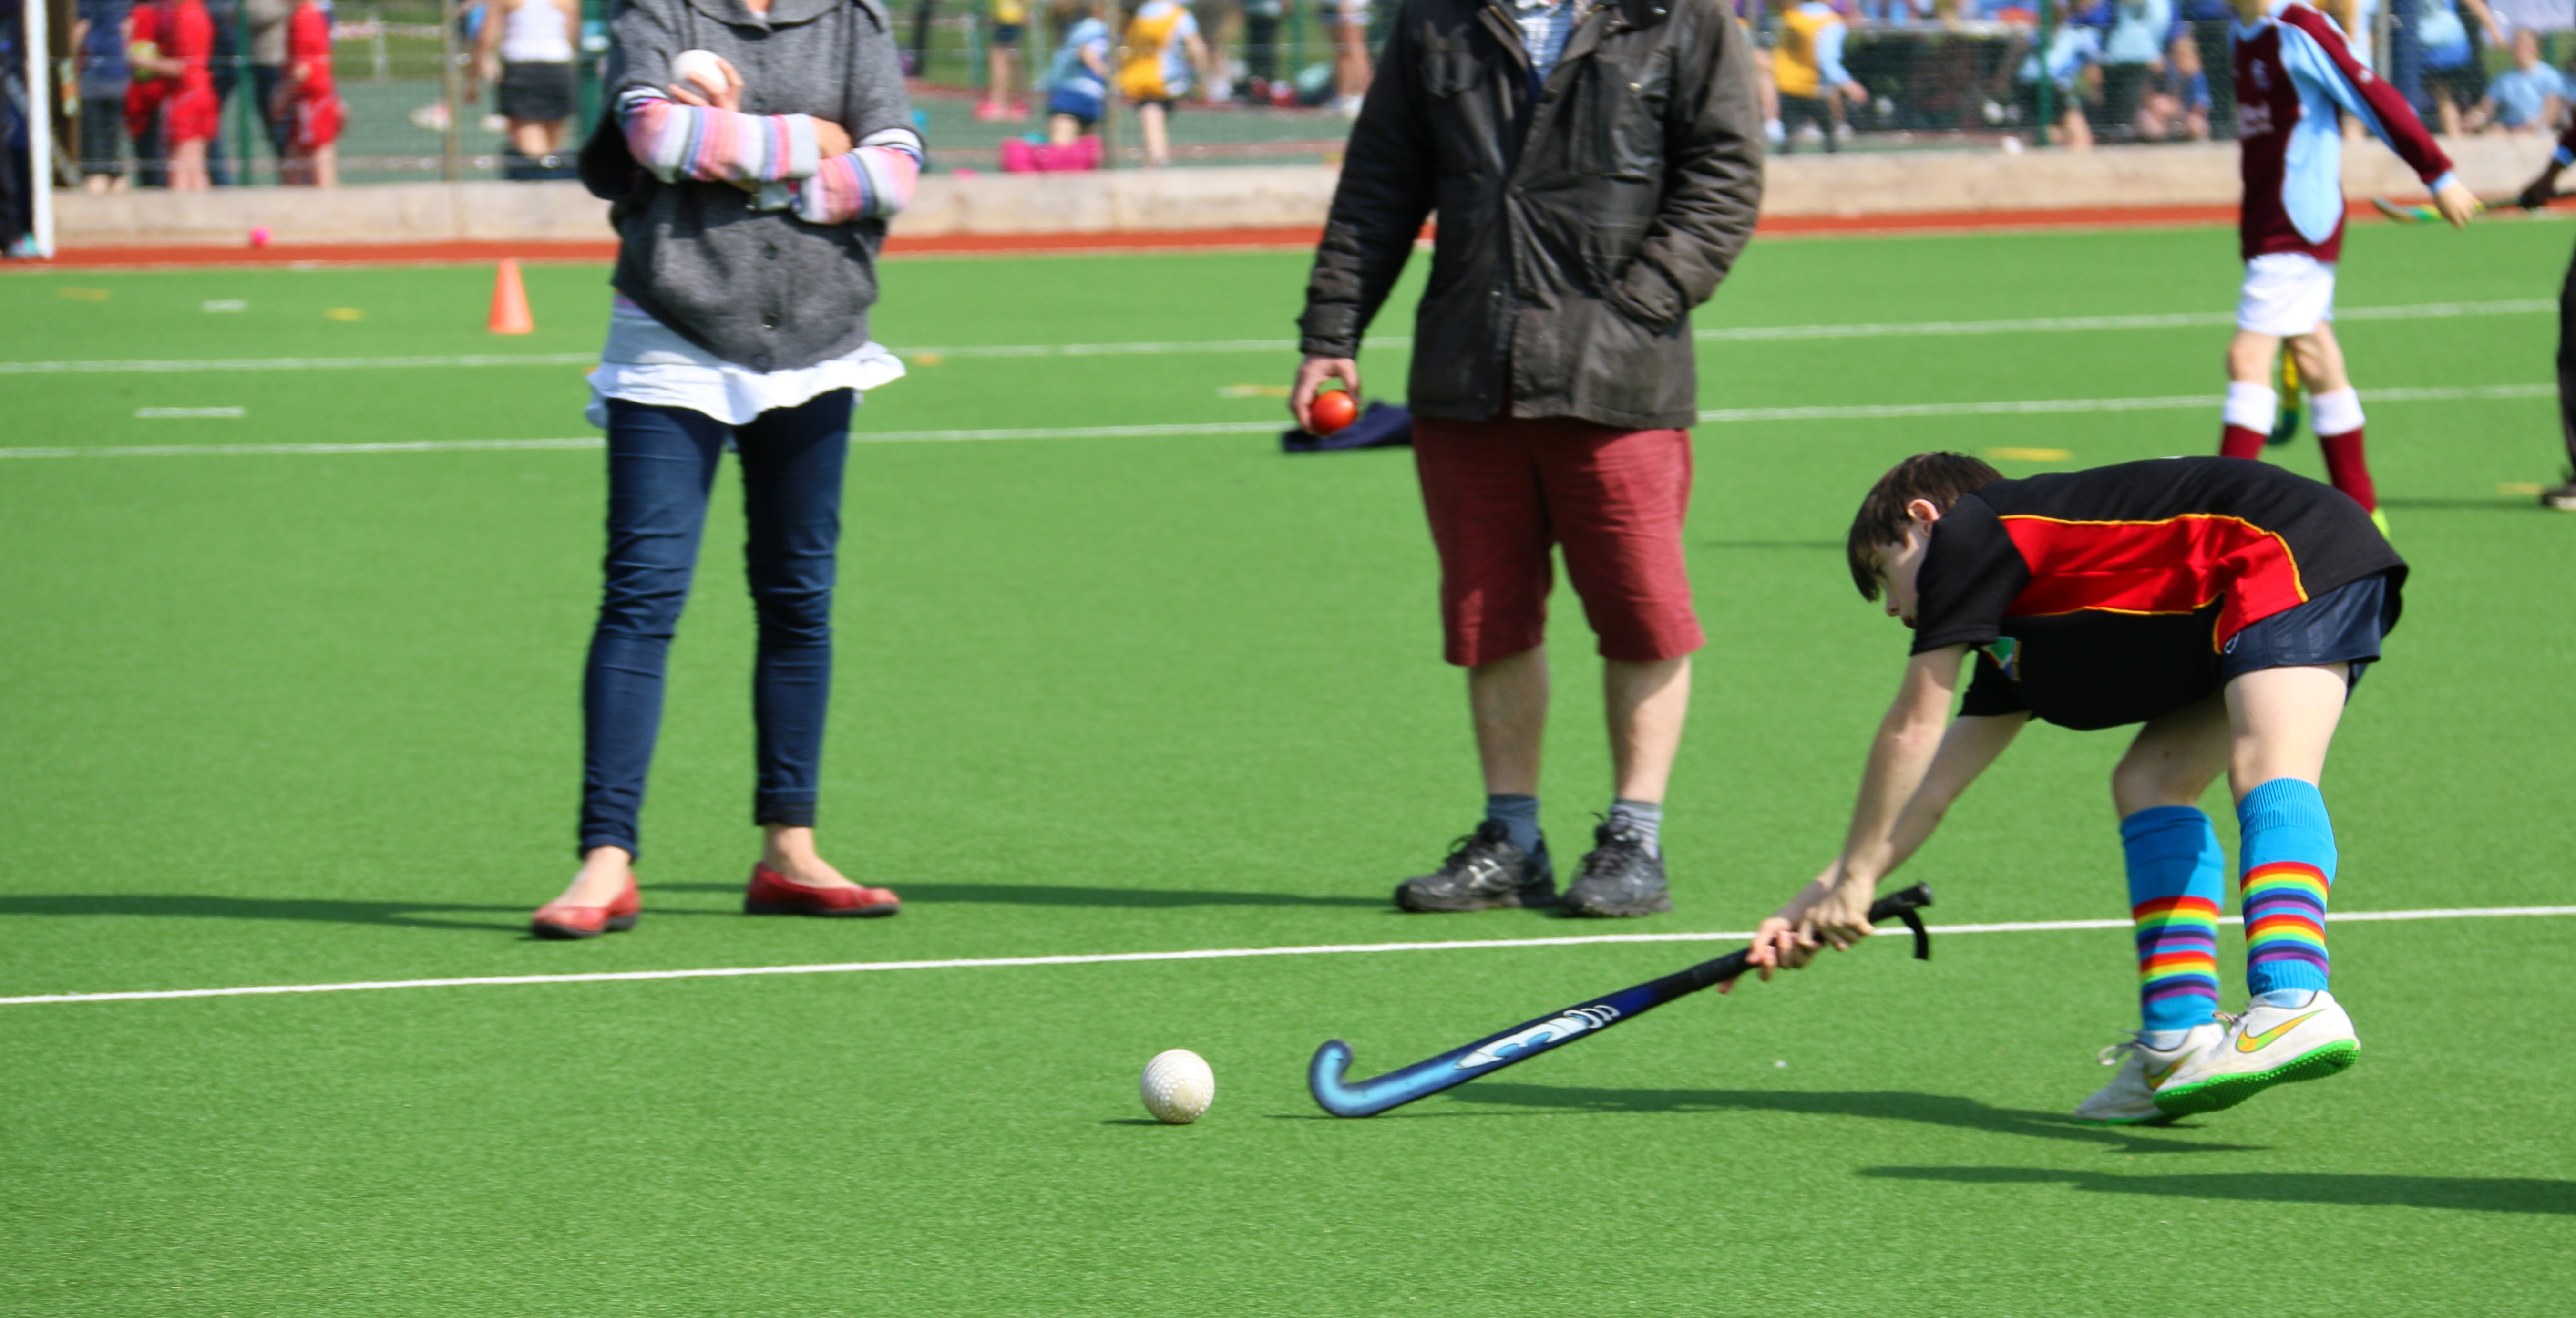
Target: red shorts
192	113
1502	493
316	120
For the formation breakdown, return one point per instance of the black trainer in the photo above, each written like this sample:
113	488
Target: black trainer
1484	871
1620	877
2561	497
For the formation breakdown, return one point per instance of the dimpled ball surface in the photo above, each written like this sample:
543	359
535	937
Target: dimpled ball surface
699	66
1178	1086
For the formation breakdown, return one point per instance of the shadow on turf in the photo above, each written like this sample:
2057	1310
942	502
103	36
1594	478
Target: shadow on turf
418	915
1931	1109
1042	894
2487	1194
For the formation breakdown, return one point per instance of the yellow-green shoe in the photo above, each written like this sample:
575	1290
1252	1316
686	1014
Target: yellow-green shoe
2266	1046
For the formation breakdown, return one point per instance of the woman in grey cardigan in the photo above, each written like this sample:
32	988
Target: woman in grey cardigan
765	143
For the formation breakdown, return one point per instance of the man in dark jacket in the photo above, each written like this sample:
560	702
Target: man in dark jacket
1596	166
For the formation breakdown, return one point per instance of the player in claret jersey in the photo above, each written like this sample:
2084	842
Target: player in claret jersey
2229	607
2293	73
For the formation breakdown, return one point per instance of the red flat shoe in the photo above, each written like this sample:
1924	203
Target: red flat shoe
773	893
560	919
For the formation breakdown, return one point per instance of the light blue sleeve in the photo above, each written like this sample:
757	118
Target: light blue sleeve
2312	182
1829	56
2315	71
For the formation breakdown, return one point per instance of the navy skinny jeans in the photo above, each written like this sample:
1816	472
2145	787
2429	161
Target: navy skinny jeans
661	464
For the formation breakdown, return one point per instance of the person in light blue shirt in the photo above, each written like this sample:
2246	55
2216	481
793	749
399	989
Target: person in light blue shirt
2073	53
2528	96
2132	57
2454	71
1077	81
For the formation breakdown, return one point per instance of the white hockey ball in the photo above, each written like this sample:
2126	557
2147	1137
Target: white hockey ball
702	67
1177	1086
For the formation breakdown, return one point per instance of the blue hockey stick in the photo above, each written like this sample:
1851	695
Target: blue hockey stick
1527	1040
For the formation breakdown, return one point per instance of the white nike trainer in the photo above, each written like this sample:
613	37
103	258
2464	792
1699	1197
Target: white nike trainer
2266	1046
2130	1098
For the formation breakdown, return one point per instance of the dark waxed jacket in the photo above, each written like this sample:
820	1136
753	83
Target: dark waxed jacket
763	289
1577	226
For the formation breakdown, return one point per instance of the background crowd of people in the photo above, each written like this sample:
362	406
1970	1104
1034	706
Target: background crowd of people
153	77
2126	70
187	94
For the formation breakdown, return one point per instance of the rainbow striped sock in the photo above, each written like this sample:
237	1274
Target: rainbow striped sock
2177	877
2289	857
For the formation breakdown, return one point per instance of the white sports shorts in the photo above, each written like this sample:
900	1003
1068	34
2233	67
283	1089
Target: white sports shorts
2285	293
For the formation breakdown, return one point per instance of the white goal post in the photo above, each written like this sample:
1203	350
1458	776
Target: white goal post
40	126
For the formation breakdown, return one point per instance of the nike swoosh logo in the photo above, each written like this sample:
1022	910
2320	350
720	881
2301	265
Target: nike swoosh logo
2156	1076
2255	1043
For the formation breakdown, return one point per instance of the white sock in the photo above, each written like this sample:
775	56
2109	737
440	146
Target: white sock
2254	407
2338	413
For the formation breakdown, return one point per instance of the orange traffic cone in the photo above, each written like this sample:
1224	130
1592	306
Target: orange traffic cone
510	301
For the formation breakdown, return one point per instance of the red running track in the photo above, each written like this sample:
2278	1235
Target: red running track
1274	239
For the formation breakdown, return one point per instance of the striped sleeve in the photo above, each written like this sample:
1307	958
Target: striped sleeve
678	141
872	182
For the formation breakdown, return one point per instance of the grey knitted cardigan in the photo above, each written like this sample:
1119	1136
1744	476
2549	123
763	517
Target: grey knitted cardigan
761	289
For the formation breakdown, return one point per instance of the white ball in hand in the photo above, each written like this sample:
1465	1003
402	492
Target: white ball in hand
702	67
1178	1086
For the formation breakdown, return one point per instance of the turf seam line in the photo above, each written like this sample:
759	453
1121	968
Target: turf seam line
1856	412
1199	954
1732	334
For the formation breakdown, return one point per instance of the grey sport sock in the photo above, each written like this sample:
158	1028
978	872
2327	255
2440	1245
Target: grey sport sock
1519	817
1644	818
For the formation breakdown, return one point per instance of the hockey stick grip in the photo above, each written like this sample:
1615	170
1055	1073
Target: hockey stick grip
1903	905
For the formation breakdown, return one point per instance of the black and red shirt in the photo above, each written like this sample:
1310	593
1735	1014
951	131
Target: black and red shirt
2102	597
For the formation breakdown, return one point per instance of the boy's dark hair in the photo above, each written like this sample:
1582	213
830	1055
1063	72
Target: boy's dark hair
1938	478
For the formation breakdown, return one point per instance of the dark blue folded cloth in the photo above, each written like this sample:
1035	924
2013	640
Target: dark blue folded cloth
1383	425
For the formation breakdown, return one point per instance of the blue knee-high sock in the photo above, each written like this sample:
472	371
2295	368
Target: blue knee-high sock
2177	878
2289	864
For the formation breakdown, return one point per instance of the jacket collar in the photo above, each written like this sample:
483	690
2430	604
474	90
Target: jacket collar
1645	13
784	13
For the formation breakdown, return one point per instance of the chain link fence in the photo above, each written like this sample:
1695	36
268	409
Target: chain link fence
1283	78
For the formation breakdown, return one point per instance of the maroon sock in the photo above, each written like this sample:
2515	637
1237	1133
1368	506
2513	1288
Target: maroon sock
2345	467
2239	442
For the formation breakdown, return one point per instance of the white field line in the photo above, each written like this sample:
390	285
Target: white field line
2035	406
1199	954
1719	416
299	364
2063	324
1739	334
254	450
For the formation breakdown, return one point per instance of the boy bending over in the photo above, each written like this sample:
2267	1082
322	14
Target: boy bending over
2226	605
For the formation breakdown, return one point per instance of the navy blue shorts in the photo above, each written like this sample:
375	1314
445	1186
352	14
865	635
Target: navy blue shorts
2342	626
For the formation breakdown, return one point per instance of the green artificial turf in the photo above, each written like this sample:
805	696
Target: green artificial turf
311	718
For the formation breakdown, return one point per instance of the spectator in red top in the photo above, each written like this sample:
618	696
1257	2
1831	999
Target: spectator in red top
154	75
190	117
310	106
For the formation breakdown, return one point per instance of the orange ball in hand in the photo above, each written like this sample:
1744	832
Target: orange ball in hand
1330	412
